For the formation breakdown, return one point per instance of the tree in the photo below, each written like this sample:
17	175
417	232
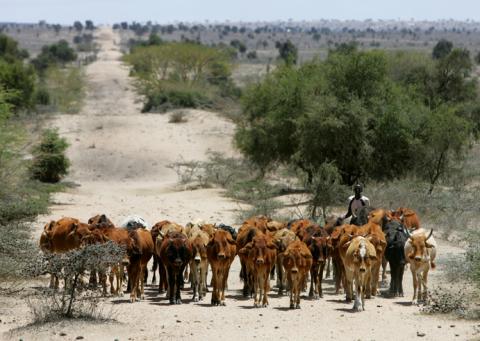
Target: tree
288	52
19	81
78	25
49	161
59	53
442	49
89	25
325	187
9	49
443	141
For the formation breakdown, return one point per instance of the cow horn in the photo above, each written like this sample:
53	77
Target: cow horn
429	235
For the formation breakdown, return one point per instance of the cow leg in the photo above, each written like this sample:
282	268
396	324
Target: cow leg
425	287
401	270
266	288
384	269
312	281
357	305
93	281
348	285
374	278
224	277
179	280
320	278
203	278
415	284
279	275
297	290
103	280
143	280
154	269
110	280
329	260
171	277
393	272
133	274
164	282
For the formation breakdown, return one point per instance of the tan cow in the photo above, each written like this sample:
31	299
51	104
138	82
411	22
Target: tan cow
357	263
221	251
199	263
297	261
282	239
420	252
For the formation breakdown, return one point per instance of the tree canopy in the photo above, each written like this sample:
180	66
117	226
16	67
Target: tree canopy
369	114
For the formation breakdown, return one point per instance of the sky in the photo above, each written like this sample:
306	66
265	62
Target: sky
161	11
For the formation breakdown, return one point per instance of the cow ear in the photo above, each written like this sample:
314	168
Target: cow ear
429	246
373	257
73	228
103	219
230	240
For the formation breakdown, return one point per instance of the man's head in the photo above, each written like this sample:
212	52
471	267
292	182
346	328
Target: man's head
357	189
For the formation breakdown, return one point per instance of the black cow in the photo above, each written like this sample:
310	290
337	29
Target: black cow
175	253
317	240
230	229
396	236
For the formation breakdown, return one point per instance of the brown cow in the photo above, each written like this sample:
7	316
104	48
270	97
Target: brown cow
282	239
407	217
246	233
373	232
339	237
420	252
121	237
319	245
175	253
297	262
139	254
159	231
260	222
199	262
221	251
62	236
357	261
100	221
262	254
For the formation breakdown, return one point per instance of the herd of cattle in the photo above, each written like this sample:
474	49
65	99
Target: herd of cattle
294	251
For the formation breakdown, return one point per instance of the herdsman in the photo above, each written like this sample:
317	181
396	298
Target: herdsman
355	203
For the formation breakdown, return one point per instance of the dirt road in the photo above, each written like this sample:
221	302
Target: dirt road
119	161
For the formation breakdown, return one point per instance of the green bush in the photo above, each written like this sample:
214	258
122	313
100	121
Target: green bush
50	163
171	98
42	96
59	53
19	81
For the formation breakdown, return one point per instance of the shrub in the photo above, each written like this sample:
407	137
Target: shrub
19	81
42	96
178	96
50	163
443	300
177	117
70	267
59	53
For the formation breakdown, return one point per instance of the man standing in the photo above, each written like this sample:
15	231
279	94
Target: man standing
356	202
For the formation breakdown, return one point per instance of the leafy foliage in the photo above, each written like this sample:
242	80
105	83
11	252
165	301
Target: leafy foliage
50	163
59	53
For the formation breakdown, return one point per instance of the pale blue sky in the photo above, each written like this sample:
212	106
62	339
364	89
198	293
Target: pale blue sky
110	11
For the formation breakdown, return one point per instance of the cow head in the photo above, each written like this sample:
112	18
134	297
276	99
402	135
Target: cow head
379	217
259	247
221	244
283	238
77	231
178	249
199	249
100	221
320	248
295	257
420	246
362	256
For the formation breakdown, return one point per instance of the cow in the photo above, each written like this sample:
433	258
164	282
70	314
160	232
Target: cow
246	233
319	245
340	236
133	222
62	236
330	224
100	221
221	251
420	252
357	261
396	237
373	232
121	237
139	254
260	222
230	229
175	254
297	261
407	217
282	239
262	254
199	263
159	231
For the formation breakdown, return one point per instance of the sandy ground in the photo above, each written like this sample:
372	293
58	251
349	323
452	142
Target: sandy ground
119	158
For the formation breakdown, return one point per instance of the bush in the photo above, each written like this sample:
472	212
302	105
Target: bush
443	300
59	53
42	96
177	117
50	163
178	96
70	266
19	81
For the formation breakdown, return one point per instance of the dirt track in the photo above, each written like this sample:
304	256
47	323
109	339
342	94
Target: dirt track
119	158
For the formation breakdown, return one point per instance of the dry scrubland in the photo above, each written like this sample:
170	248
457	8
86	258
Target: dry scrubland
119	165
